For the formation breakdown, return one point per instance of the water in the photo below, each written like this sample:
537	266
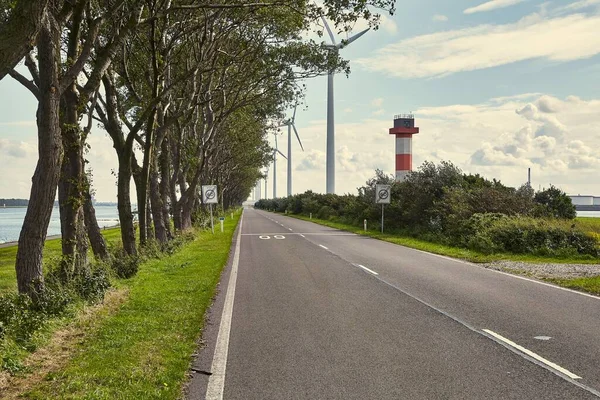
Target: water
595	214
11	220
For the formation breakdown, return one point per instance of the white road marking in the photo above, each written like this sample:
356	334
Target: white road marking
302	235
542	337
366	269
324	247
216	382
297	233
279	237
264	237
290	229
504	273
532	354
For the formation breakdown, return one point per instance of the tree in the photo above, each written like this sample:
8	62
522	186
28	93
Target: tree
557	203
20	23
28	264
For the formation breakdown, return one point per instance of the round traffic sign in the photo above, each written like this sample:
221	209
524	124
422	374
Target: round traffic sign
384	194
210	194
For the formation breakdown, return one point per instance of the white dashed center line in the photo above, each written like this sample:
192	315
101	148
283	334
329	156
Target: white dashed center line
366	269
531	354
324	247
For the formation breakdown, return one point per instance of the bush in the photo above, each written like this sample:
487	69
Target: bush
326	212
124	265
524	235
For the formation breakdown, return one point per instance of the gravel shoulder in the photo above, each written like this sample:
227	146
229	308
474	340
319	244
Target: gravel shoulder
546	270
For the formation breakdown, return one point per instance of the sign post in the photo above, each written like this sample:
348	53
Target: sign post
209	196
383	197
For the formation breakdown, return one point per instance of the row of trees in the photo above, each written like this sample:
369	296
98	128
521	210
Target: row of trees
443	204
186	89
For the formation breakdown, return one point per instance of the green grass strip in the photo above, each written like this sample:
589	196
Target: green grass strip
143	351
445	250
590	285
52	250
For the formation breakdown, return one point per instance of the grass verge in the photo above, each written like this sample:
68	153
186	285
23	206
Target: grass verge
143	350
52	249
590	285
445	250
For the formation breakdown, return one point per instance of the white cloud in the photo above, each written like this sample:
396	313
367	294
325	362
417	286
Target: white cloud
17	149
439	18
313	160
491	5
557	39
386	24
548	104
378	102
19	123
579	5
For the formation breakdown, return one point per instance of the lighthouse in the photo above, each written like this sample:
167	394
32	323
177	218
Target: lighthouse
404	128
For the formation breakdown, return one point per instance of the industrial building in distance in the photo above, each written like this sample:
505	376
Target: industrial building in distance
586	203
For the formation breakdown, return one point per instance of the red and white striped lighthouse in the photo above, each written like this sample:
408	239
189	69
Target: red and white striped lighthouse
404	128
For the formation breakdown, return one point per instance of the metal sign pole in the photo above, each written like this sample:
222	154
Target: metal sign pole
212	227
382	206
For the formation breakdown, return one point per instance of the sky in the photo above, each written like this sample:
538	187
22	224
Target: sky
496	87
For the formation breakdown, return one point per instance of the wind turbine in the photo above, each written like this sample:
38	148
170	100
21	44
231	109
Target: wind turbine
290	124
336	47
266	180
275	151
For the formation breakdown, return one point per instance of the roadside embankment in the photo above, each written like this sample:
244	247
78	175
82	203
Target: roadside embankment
139	344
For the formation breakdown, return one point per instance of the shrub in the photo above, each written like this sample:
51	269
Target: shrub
524	235
326	212
124	265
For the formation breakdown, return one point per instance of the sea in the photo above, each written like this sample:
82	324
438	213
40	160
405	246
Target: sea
11	221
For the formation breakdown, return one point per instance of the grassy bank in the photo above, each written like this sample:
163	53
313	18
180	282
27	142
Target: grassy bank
52	249
457	252
143	349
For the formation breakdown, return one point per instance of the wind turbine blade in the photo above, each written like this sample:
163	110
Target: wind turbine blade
328	30
276	147
298	136
353	38
282	155
294	116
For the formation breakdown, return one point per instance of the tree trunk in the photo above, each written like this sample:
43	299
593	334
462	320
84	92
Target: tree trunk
164	187
160	230
71	187
124	205
28	264
186	214
149	229
93	230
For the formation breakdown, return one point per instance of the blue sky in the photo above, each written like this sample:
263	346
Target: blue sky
496	87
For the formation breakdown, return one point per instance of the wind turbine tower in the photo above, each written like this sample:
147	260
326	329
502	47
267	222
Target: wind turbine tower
275	151
290	124
336	47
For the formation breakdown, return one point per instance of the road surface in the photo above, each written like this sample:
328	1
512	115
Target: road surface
310	312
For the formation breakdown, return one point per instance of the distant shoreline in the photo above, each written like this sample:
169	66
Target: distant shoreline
51	237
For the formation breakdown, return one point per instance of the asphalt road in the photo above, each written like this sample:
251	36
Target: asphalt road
319	313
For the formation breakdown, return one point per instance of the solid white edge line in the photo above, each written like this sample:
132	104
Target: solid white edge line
324	247
501	272
533	355
216	382
367	269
